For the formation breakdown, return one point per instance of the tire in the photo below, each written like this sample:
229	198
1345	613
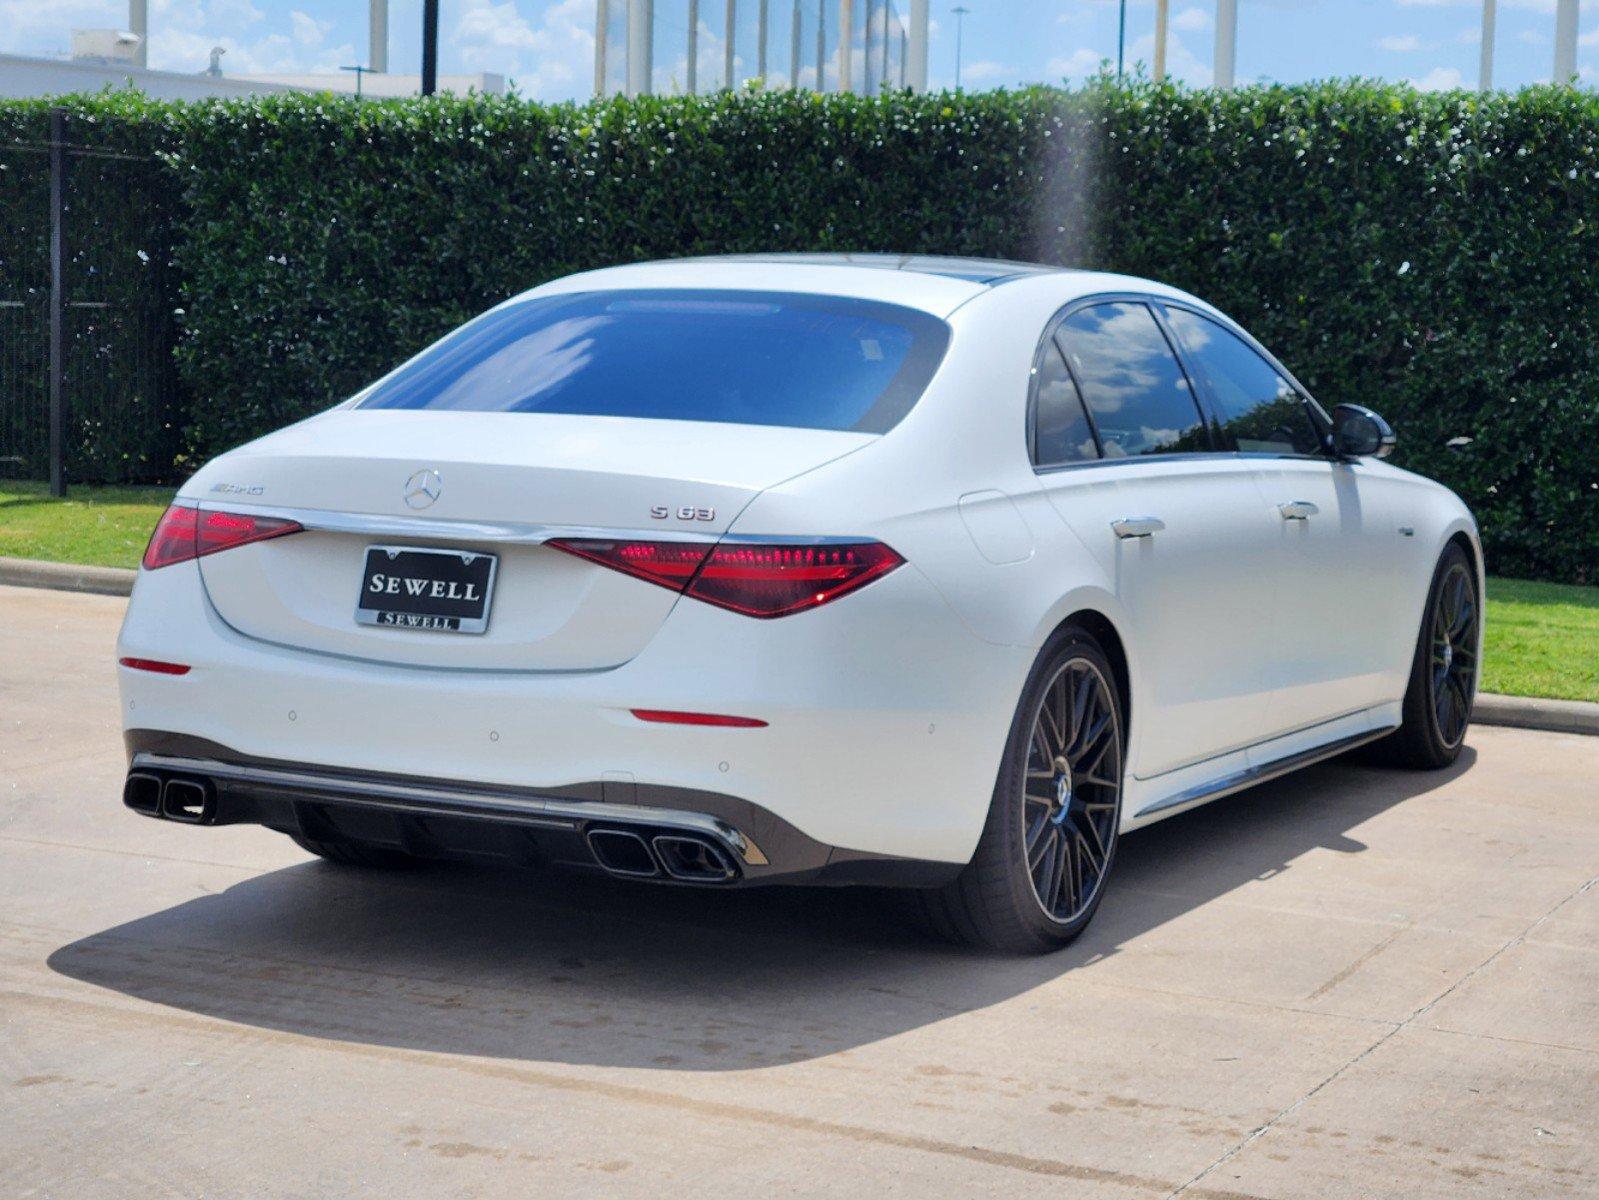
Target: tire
1067	724
1443	671
357	854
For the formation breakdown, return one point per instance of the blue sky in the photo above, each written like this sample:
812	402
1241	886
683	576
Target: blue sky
547	46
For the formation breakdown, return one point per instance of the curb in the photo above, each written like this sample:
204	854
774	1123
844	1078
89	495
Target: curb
1519	712
66	577
1524	712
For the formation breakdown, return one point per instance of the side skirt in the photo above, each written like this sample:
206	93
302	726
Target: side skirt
1249	776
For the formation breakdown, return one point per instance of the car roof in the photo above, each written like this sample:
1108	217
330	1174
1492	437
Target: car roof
936	285
988	271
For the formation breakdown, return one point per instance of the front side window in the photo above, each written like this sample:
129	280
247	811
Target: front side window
1061	433
1258	410
748	358
1131	381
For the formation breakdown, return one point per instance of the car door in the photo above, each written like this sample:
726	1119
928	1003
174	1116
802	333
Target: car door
1126	460
1334	540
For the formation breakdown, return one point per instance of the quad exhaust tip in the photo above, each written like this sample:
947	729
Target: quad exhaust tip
623	853
682	857
192	801
693	859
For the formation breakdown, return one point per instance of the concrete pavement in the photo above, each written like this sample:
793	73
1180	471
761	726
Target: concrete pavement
1352	982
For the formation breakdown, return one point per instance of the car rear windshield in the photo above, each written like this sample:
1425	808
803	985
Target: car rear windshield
749	358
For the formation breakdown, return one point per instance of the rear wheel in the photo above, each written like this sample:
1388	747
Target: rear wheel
357	854
1040	868
1443	673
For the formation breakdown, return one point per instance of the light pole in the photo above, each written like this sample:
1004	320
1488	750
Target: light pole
430	46
359	71
960	11
1121	39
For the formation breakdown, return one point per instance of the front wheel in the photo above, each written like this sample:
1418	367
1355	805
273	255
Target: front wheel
1046	850
1443	673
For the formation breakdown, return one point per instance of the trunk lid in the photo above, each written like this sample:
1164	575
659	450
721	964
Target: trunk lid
503	481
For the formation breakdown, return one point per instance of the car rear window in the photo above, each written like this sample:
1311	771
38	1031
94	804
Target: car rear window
749	358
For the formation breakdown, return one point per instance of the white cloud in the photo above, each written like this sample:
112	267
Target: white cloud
1399	43
1439	79
1191	20
307	30
1181	62
1077	65
549	55
986	71
1591	38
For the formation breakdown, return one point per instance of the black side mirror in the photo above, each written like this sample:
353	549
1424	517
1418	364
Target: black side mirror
1360	433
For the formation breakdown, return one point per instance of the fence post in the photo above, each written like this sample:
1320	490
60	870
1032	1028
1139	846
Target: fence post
58	400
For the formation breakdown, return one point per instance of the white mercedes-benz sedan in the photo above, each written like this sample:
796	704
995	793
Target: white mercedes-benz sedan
817	569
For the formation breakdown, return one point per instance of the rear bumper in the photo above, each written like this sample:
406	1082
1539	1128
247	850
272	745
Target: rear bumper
192	781
886	718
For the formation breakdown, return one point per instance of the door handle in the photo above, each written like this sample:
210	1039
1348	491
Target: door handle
1137	527
1297	510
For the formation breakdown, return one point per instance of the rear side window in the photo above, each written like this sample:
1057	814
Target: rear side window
1061	433
1131	381
748	358
1259	411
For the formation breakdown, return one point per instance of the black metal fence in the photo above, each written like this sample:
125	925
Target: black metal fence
88	310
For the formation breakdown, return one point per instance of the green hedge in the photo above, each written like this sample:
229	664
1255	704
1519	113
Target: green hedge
1432	256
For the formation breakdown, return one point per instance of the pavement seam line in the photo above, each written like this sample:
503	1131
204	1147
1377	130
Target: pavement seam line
1266	1127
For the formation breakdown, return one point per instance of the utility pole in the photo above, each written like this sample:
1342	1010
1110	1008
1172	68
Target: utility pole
1485	64
727	50
139	26
1566	41
430	47
639	64
377	36
693	46
794	47
1226	42
866	50
960	11
916	64
846	44
1162	12
760	38
602	28
821	45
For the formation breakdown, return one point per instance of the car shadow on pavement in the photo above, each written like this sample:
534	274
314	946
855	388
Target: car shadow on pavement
565	968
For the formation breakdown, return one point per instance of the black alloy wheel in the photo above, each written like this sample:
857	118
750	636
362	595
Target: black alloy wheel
1071	791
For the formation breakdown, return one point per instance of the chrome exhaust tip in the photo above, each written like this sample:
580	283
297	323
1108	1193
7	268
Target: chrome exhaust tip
192	801
694	860
623	853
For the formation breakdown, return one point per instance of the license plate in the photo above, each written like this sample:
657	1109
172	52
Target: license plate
442	590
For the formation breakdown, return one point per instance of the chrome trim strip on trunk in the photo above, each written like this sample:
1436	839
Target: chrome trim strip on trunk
381	525
1250	776
564	814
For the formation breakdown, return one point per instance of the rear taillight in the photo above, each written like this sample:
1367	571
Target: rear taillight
183	533
758	579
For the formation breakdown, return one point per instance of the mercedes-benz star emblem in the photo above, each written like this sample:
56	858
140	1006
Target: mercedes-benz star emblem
423	488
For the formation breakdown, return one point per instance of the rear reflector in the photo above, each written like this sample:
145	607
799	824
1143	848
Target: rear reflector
156	665
758	579
183	533
667	717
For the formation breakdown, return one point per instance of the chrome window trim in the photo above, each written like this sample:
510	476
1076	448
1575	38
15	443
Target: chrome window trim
1201	402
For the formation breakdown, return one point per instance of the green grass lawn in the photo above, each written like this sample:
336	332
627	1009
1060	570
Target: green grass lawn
1543	638
100	526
